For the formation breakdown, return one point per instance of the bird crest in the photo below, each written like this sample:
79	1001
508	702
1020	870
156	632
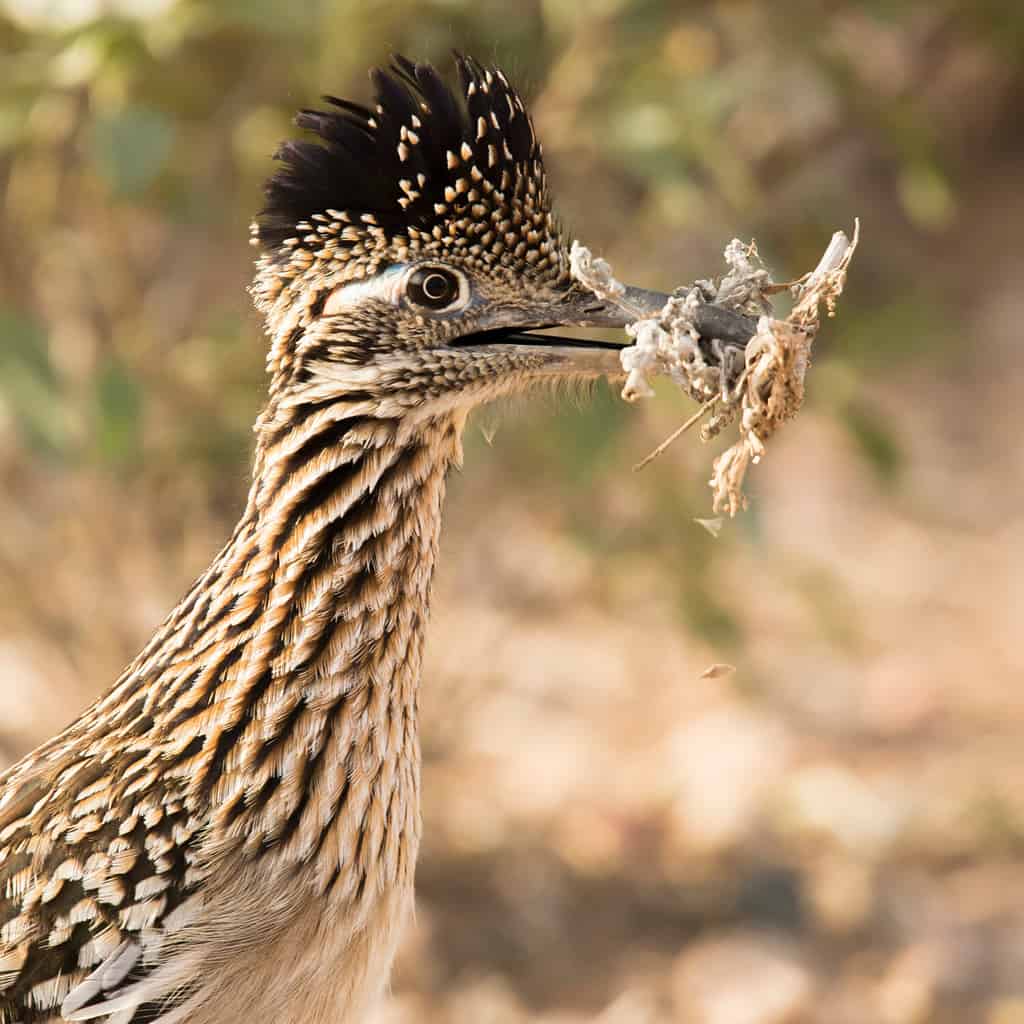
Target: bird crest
426	173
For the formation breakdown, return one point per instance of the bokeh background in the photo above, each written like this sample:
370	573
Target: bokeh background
833	833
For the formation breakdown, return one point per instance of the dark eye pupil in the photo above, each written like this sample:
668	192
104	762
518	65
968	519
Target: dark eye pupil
433	288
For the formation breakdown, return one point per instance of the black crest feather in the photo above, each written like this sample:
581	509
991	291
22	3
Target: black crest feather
396	162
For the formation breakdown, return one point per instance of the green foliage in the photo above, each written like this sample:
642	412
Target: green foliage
876	440
29	387
118	414
131	147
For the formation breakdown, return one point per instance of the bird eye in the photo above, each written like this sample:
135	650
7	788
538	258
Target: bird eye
433	287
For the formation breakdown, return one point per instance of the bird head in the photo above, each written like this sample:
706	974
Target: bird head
409	247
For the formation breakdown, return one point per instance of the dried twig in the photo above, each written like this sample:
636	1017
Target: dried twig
677	433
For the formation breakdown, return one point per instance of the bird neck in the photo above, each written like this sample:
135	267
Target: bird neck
283	688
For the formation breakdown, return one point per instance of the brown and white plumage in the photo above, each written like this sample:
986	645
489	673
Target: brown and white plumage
230	833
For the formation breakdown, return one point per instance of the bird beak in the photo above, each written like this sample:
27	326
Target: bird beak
592	356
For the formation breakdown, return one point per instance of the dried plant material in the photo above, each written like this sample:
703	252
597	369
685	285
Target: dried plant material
761	384
594	272
717	671
713	526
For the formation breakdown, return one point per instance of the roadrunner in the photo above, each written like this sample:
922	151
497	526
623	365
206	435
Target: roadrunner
229	835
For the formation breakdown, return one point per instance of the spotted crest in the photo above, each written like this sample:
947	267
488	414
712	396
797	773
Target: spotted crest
428	172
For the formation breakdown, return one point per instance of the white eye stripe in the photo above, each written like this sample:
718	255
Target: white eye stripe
387	287
390	287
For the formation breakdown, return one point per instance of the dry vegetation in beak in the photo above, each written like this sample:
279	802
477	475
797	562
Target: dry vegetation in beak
761	385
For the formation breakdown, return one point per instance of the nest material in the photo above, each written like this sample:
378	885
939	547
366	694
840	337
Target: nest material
761	385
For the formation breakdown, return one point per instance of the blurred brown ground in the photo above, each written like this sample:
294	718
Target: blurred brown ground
832	834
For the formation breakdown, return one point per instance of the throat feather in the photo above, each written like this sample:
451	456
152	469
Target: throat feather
302	719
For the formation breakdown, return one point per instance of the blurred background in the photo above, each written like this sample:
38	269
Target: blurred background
833	833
